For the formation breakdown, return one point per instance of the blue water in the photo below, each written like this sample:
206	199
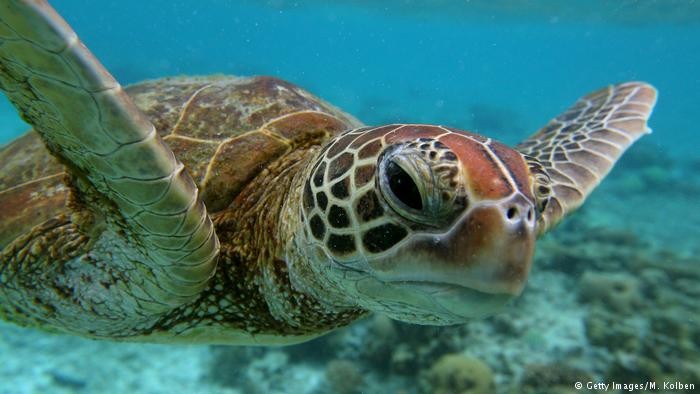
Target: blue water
492	69
385	64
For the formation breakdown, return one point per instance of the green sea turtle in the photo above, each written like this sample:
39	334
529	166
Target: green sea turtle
246	210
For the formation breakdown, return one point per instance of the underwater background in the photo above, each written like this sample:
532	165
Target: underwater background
614	291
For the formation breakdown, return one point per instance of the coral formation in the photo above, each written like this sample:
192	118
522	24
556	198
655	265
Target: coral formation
660	341
618	291
254	369
458	374
550	379
400	348
344	377
608	330
381	342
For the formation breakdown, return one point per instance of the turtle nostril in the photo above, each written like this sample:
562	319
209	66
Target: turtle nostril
529	214
512	211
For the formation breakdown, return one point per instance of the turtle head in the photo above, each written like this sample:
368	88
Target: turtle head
427	224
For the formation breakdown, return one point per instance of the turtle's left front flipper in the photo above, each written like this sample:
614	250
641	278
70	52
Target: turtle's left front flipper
579	147
87	120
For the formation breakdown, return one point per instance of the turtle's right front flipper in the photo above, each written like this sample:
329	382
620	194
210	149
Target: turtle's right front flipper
86	119
578	148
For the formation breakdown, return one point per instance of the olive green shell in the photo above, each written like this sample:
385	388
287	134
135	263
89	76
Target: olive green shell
225	130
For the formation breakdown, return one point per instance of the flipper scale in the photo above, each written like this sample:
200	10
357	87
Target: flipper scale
87	120
579	147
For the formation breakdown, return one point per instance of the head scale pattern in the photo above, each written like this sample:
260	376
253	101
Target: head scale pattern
341	205
381	204
345	208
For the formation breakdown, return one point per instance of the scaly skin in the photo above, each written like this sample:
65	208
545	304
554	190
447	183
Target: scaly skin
249	227
87	121
249	300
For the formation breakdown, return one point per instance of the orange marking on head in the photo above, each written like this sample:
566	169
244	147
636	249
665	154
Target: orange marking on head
517	166
412	132
486	180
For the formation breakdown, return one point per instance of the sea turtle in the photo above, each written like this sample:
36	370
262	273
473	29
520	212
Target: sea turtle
246	210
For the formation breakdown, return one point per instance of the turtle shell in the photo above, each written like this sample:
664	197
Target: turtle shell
225	130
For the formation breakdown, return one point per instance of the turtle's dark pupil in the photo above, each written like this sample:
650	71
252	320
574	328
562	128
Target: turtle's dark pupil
403	186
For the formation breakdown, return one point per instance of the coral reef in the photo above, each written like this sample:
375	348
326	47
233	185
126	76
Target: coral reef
344	377
380	344
458	374
228	364
618	291
608	330
647	328
579	246
550	379
399	348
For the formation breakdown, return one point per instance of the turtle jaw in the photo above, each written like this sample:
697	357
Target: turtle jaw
473	269
455	303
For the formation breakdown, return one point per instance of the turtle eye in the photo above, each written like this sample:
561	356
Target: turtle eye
542	194
540	182
542	190
421	181
399	179
402	186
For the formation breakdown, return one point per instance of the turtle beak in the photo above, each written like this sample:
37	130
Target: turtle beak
476	267
491	249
